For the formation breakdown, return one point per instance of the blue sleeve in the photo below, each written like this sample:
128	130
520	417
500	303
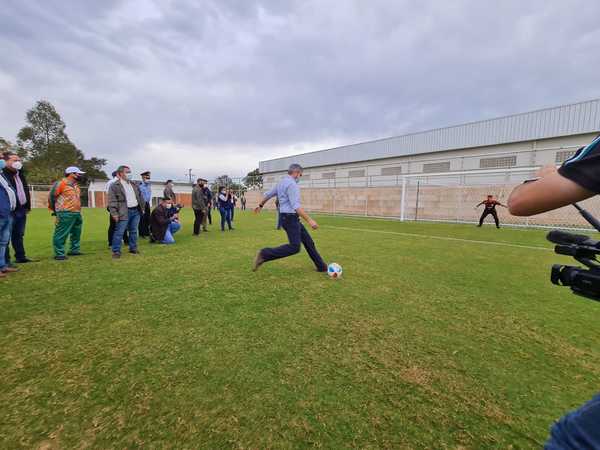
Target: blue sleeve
578	429
293	192
270	194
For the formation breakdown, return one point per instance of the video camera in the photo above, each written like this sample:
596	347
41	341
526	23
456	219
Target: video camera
582	281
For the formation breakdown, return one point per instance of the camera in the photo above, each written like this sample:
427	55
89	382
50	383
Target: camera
582	281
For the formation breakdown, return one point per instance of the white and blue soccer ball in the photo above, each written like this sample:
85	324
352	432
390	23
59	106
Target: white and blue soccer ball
334	270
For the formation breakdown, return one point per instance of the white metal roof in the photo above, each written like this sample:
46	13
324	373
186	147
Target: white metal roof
575	118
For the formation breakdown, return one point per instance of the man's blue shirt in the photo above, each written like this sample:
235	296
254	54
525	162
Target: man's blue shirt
287	192
146	190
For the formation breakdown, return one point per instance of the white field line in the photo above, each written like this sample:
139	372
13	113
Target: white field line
440	238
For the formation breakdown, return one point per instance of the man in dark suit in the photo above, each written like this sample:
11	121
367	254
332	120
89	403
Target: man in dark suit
14	175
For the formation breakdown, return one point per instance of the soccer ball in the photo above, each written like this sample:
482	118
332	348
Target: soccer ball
334	270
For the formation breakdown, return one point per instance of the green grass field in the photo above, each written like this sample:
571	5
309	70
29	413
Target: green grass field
424	343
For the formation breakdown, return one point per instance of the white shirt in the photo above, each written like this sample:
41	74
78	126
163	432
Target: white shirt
129	194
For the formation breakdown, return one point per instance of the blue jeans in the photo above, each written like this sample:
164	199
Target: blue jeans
131	225
297	236
5	231
225	217
19	222
578	429
173	228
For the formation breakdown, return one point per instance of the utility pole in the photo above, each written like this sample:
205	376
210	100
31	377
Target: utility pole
190	176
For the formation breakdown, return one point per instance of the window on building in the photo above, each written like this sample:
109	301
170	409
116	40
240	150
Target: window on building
391	171
498	163
356	173
328	175
306	176
563	155
436	167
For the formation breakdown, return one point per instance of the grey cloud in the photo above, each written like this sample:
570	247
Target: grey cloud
263	76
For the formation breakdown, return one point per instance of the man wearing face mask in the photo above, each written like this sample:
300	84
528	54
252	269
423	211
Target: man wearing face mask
199	206
125	206
146	190
14	175
209	205
169	192
8	202
163	224
65	203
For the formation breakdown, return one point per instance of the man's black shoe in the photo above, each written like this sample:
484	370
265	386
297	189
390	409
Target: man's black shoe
258	261
134	252
75	254
116	255
24	261
60	258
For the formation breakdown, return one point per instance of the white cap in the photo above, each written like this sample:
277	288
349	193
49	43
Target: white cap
73	169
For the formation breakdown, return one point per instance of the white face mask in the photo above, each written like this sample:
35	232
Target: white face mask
168	205
17	165
126	175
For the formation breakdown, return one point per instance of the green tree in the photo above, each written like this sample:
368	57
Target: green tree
254	180
5	145
47	149
44	127
227	182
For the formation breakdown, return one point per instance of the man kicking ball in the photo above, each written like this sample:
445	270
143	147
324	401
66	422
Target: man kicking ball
287	192
490	208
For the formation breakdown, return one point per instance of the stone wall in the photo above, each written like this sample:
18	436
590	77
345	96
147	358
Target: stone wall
436	203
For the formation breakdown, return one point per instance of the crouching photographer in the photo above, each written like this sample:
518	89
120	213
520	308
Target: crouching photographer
164	222
577	179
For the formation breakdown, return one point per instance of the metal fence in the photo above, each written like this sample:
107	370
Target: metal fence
443	197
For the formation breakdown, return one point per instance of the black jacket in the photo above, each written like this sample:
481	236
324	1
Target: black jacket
159	222
10	176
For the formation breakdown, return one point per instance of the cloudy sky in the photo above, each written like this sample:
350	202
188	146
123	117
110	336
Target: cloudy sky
217	85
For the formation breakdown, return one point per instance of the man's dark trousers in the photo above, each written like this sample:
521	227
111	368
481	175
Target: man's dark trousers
17	235
494	215
198	217
144	228
297	235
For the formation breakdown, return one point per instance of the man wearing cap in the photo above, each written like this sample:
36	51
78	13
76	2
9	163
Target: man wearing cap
287	192
208	200
124	204
65	203
199	206
146	190
169	192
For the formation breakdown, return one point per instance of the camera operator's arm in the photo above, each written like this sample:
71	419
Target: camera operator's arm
550	192
577	179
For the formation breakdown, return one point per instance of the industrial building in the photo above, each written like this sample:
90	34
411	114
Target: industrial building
441	174
519	141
